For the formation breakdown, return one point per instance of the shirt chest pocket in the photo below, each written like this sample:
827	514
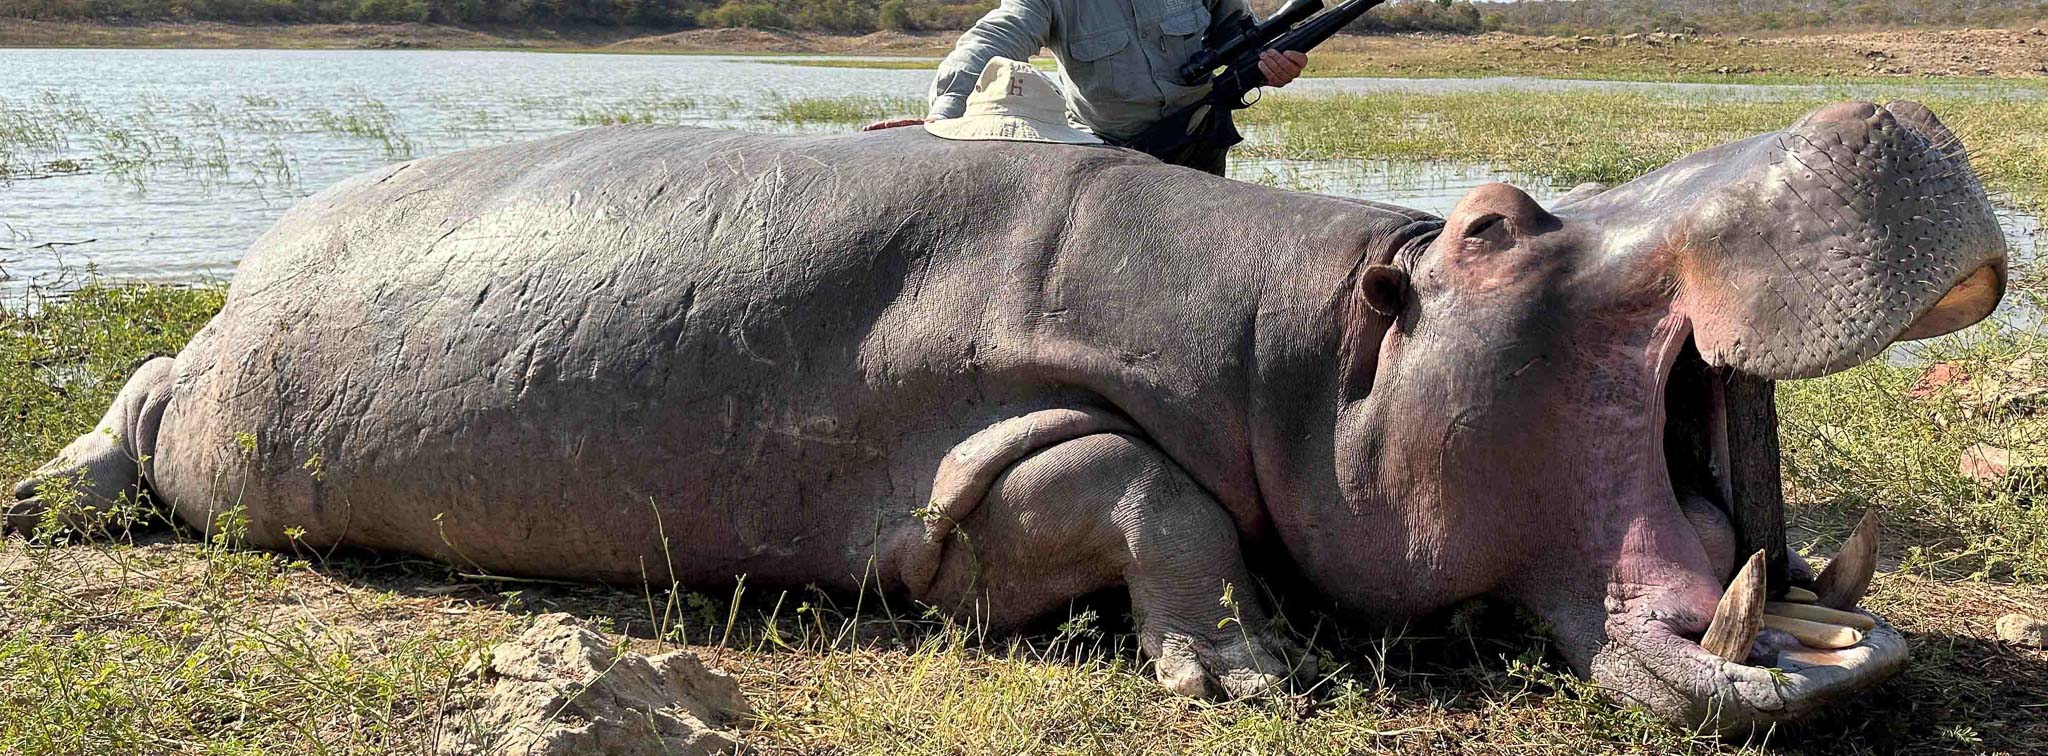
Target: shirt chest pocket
1104	65
1180	35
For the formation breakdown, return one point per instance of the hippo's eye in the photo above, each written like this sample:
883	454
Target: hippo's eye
1492	229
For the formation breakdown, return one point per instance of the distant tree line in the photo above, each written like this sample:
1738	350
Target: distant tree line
840	16
819	15
861	16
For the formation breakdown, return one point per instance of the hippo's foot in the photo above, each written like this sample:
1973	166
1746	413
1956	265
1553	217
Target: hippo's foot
95	484
1227	662
1103	510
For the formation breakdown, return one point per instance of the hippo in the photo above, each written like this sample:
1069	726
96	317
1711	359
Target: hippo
993	377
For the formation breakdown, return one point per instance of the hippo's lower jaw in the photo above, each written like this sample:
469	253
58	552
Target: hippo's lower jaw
1648	663
1741	663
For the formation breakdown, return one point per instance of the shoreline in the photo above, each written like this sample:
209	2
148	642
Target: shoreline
2020	54
217	35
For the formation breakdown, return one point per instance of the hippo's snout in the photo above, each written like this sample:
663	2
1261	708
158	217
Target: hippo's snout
1856	227
1808	250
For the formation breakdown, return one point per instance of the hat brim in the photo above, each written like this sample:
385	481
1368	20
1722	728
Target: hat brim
996	128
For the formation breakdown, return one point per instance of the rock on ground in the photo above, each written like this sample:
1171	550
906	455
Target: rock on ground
2022	630
560	689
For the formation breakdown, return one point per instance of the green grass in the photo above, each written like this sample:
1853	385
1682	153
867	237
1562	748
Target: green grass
176	645
842	110
1863	439
640	110
1717	62
1339	65
213	145
1572	137
62	359
179	657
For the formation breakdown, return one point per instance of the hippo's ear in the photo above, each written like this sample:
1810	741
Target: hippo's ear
1805	251
1385	289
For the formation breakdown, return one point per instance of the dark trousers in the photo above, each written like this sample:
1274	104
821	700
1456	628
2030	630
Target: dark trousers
1201	156
1204	151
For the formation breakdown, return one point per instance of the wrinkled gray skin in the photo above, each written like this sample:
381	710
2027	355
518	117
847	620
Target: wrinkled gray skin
814	360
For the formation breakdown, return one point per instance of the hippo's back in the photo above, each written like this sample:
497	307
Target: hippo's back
544	357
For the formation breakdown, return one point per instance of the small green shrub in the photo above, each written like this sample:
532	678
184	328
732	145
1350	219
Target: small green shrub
894	16
745	15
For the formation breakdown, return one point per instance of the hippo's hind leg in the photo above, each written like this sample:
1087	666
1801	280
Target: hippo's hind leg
97	480
1107	509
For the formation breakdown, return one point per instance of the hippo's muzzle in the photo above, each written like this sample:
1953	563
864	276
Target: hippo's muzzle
1789	255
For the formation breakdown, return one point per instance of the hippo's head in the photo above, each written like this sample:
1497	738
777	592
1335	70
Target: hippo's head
1558	381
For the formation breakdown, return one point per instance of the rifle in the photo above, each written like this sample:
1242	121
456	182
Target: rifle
1235	45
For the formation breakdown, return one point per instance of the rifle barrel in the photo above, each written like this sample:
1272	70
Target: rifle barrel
1320	28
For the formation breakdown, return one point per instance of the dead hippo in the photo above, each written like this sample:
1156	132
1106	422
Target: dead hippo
994	377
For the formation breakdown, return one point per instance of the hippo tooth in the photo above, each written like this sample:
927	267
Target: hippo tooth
1812	613
1739	614
1801	595
1815	634
1847	577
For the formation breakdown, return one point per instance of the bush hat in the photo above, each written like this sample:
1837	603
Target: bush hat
1012	101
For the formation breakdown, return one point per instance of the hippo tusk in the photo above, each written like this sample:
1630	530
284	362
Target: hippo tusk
1814	634
1801	595
1822	614
1739	614
1847	577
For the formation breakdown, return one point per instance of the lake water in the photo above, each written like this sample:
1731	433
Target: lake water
165	164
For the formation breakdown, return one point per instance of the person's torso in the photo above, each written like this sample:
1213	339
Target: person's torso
1120	59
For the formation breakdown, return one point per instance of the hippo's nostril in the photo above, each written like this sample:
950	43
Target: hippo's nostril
1968	301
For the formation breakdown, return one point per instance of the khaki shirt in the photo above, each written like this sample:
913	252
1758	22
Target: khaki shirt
1119	59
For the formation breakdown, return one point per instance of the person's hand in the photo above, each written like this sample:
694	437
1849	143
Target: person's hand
1281	67
879	125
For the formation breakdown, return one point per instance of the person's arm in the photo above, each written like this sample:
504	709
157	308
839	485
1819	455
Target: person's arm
1015	30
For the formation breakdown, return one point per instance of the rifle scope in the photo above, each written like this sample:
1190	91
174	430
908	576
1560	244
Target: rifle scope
1251	39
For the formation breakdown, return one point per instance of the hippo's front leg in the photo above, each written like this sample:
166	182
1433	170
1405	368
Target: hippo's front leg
1094	512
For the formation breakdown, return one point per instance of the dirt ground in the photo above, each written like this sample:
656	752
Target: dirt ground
344	622
2004	53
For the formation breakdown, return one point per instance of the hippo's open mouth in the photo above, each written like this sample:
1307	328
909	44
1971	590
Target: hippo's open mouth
1786	256
1767	653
